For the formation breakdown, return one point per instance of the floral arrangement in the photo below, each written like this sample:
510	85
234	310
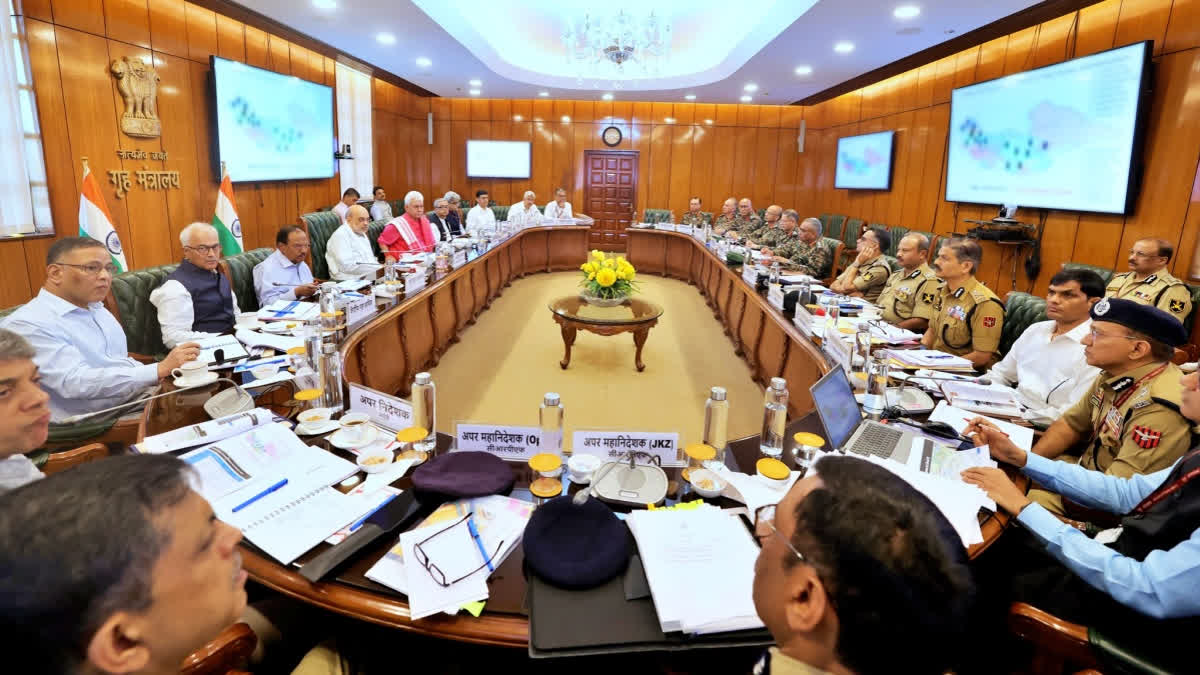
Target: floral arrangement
607	277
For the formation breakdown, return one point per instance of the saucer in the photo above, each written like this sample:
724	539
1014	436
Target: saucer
208	378
248	326
278	326
305	430
338	440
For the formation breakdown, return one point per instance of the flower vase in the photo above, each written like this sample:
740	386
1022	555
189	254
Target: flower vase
603	302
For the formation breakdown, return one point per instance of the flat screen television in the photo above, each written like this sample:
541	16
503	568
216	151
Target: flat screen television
1066	136
865	162
498	159
271	126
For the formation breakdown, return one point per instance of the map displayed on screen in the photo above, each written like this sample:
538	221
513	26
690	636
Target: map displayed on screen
865	161
1059	137
272	126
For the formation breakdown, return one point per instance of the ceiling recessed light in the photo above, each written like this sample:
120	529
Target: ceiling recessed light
517	118
906	12
543	93
690	97
843	47
565	119
324	4
607	97
669	120
423	62
750	87
385	38
747	98
474	92
475	83
804	70
708	121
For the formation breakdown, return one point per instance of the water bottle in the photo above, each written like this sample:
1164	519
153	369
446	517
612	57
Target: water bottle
774	277
424	411
550	421
331	376
805	296
716	423
860	361
875	400
775	403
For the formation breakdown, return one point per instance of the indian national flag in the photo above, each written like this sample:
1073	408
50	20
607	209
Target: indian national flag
225	219
96	222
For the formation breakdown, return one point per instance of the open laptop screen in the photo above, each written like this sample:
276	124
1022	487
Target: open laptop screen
836	406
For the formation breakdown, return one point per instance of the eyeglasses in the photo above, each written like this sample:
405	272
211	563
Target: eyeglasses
1096	335
215	248
1139	254
92	269
439	577
764	525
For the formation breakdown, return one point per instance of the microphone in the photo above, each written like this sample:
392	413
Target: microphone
237	399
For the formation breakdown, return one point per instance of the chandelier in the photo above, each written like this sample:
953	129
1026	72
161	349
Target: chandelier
618	46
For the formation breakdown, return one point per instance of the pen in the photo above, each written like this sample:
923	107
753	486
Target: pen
968	420
358	523
945	356
260	495
479	543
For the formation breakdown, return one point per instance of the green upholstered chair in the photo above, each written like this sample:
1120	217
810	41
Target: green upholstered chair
835	248
708	216
851	231
129	301
1021	310
373	231
321	227
835	226
897	232
656	215
9	310
501	212
1062	646
892	261
398	206
826	221
240	270
1105	273
762	214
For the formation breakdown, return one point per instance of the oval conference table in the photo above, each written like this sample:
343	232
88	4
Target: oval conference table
385	351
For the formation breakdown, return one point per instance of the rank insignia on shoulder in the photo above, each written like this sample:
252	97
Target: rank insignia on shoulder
1151	279
915	274
1124	382
1141	404
989	321
1177	306
927	298
960	291
1145	437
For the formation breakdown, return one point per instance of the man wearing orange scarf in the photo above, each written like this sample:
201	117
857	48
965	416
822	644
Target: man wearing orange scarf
410	233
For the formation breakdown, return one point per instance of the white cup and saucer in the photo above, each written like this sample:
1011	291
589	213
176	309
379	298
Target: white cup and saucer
581	467
193	373
356	431
316	421
247	321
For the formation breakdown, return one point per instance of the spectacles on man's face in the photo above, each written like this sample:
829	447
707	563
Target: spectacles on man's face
1097	335
1139	254
439	577
764	526
205	250
92	269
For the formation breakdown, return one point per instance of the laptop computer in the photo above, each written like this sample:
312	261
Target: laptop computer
845	427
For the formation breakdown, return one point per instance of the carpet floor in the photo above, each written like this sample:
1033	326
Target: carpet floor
503	365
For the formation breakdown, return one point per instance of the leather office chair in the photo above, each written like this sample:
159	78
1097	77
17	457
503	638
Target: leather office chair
1061	645
53	462
1106	274
834	227
9	310
708	216
239	269
129	302
835	247
656	215
373	231
897	233
1021	310
500	211
320	227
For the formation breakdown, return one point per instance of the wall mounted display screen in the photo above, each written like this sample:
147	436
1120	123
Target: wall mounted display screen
1066	136
498	159
865	162
272	126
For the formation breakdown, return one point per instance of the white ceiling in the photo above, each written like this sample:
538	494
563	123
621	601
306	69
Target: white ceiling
516	49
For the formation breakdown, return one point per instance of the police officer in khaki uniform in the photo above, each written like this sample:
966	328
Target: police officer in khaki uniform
865	277
909	296
969	316
1130	420
768	232
694	216
1149	282
725	224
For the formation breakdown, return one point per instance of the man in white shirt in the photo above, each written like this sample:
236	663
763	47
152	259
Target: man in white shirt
480	217
284	275
525	213
1046	364
24	411
349	198
560	207
196	301
381	208
81	349
349	247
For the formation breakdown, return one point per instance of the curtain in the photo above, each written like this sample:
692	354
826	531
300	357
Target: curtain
354	128
24	196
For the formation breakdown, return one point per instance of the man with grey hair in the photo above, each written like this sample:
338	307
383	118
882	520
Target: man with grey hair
440	219
411	232
560	208
726	223
196	301
24	411
348	251
525	213
909	296
455	216
801	247
81	350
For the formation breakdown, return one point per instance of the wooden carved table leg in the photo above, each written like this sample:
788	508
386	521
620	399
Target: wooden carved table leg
639	339
568	336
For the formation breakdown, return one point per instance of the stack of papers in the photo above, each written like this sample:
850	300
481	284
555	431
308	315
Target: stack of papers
204	433
290	310
230	346
280	343
753	491
700	568
892	335
958	501
928	358
958	418
994	399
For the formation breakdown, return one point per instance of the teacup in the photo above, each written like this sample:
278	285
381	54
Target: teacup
870	312
190	372
246	319
354	426
264	371
315	417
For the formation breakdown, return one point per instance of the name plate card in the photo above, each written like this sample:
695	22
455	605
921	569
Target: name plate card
413	284
384	410
803	320
460	258
775	296
749	271
505	442
837	350
614	444
359	309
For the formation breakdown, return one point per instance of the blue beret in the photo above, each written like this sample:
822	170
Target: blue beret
1150	321
576	546
456	475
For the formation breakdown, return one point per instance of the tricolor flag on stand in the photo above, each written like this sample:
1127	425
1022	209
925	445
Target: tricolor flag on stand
96	222
225	218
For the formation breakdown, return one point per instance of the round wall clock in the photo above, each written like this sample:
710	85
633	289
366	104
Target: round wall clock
611	136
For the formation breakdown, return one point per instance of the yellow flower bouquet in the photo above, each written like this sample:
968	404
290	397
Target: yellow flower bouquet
607	280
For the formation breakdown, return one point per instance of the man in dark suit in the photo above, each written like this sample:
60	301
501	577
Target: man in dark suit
441	221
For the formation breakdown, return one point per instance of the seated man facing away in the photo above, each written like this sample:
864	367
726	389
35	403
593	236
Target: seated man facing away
560	207
115	566
1137	583
349	198
800	246
410	233
856	570
1129	418
82	353
349	247
525	212
866	276
196	300
480	217
726	223
908	297
693	217
24	411
969	316
1149	282
284	275
1046	363
381	208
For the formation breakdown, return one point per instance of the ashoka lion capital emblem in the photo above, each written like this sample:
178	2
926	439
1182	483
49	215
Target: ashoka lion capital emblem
138	83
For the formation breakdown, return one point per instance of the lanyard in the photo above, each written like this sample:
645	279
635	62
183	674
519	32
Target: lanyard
1117	402
1167	489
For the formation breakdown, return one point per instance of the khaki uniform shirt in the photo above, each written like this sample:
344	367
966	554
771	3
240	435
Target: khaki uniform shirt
692	219
776	662
1133	422
871	277
812	259
1159	290
908	295
724	224
967	320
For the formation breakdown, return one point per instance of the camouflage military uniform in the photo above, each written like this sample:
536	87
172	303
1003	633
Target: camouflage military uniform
813	259
693	219
1159	290
724	224
770	237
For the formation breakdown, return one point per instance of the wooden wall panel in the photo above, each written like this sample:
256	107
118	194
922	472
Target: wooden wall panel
82	15
680	168
127	21
702	162
1183	28
1097	27
1143	20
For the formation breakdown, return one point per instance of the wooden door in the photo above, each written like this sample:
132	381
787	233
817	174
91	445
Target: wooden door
609	193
